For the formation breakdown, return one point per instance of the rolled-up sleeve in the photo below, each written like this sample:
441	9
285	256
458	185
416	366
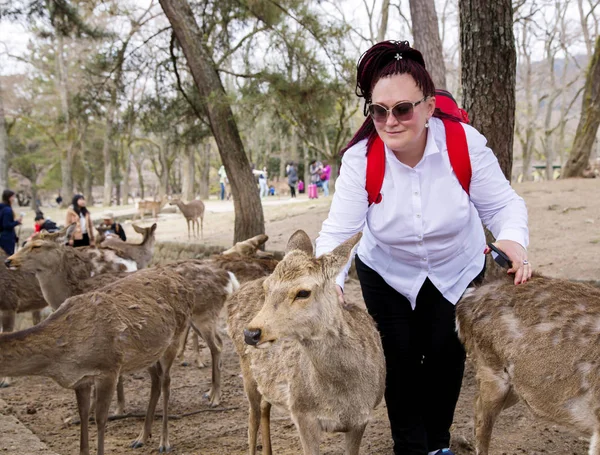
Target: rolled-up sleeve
348	212
500	208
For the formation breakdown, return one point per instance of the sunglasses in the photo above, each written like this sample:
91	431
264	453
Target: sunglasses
402	111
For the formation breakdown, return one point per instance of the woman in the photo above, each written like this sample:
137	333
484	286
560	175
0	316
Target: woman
314	168
83	234
422	244
8	237
292	175
325	176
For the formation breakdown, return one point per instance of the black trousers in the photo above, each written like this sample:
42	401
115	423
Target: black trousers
85	241
292	190
425	362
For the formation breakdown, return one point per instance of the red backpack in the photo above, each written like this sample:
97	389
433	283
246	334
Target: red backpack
456	141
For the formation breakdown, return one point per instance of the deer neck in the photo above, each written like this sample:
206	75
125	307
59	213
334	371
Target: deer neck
58	284
26	353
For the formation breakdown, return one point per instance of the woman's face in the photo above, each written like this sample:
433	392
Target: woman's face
404	136
81	202
11	200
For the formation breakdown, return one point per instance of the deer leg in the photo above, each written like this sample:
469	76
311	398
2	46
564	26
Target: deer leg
197	350
36	317
83	406
202	227
265	427
8	325
165	383
181	353
254	412
120	396
353	439
207	329
105	389
154	395
310	433
494	394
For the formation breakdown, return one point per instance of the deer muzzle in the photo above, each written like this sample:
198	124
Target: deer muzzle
252	337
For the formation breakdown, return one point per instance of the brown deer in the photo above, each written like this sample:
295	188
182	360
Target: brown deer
537	341
155	207
240	260
192	211
64	272
93	338
142	252
300	349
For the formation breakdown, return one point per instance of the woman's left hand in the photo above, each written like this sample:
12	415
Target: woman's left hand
518	256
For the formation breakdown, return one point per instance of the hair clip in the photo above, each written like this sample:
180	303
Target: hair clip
398	56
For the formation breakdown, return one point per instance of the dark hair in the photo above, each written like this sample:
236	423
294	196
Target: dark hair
6	195
38	217
79	210
386	59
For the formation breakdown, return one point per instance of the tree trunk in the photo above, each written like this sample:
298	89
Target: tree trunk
383	25
188	177
107	150
34	195
126	184
249	217
426	36
66	162
88	176
3	148
204	186
588	121
488	73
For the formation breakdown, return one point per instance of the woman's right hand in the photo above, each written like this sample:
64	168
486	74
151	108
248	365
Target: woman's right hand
71	242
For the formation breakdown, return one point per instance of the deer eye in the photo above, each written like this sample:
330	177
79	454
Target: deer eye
303	294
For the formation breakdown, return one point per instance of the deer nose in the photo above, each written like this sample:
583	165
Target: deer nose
7	263
252	337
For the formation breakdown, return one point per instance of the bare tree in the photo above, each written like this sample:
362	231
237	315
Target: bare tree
426	36
588	121
383	22
488	73
249	217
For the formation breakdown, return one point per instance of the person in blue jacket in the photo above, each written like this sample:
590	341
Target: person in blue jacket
8	238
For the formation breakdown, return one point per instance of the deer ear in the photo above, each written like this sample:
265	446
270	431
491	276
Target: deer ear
333	262
137	229
153	228
61	236
299	241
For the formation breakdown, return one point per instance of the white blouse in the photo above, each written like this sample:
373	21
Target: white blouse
426	225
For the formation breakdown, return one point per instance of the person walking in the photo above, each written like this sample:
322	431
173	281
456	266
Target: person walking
262	182
325	176
292	176
222	181
83	234
314	169
422	242
8	236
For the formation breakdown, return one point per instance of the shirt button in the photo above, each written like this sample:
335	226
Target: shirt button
421	243
416	193
423	259
418	215
419	236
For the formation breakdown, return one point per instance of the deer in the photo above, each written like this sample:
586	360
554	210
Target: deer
192	211
242	262
142	252
536	342
133	324
64	272
300	349
150	206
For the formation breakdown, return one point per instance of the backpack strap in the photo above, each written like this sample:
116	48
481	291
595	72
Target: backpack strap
458	152
375	169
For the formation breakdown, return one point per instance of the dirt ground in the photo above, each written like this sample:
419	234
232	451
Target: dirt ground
564	221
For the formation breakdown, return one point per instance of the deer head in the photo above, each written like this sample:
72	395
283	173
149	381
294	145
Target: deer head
145	232
37	256
60	237
300	298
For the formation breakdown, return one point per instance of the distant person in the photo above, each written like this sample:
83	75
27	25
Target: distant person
314	168
42	224
114	227
83	233
262	183
300	187
59	199
222	181
325	176
8	237
292	175
271	190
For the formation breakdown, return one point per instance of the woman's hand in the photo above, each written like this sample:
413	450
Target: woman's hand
340	294
518	256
